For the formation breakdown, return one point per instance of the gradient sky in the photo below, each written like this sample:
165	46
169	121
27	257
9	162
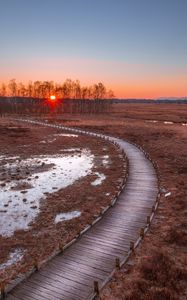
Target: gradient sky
136	47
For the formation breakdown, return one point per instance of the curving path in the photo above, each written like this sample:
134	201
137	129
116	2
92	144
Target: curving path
92	257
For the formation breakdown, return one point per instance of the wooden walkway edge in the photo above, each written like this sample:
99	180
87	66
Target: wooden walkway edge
92	258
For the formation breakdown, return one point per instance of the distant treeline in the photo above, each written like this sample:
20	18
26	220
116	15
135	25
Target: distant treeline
69	89
158	101
38	106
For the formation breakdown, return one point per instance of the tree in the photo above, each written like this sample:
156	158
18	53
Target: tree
3	90
68	89
12	87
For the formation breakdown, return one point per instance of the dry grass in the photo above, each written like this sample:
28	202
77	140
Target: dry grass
44	237
159	267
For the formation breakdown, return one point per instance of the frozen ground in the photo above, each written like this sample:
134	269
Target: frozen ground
20	199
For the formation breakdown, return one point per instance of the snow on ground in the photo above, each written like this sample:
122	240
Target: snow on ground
14	257
19	207
67	216
66	134
99	180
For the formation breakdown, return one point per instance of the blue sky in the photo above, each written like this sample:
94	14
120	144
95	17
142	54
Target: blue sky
129	45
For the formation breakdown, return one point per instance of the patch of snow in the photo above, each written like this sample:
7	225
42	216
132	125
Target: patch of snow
66	134
184	124
19	208
51	141
168	122
14	257
71	150
168	194
152	121
67	216
105	159
2	157
99	180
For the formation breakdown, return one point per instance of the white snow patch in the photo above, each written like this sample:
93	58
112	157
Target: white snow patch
99	180
71	150
66	134
105	159
152	121
51	141
168	122
14	257
2	157
67	216
19	208
168	194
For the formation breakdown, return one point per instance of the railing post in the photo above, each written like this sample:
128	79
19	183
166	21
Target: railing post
132	246
61	247
96	287
142	233
117	263
2	290
148	220
36	264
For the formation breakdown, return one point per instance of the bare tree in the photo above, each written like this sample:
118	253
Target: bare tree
68	90
12	87
3	90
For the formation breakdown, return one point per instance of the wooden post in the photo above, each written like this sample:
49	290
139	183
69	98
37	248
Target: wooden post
148	220
117	262
142	232
132	246
96	287
2	290
36	264
61	247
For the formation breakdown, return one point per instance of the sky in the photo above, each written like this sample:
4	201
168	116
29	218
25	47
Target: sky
138	48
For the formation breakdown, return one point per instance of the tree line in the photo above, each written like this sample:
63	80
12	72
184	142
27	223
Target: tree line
68	89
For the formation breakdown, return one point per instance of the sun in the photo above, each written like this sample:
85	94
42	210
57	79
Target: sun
52	97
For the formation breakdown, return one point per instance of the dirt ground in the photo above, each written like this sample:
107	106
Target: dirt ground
158	269
44	236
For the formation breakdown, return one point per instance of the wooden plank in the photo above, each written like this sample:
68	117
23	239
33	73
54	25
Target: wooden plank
48	293
89	272
59	285
100	249
78	271
60	281
53	287
90	263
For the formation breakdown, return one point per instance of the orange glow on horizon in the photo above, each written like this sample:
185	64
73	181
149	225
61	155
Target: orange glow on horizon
127	80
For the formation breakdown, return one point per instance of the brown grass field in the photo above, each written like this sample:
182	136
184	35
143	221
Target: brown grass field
43	236
158	269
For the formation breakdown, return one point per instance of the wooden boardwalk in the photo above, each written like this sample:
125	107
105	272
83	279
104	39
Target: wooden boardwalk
70	275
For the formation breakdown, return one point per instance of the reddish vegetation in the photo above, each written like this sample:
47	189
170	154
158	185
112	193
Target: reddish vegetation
158	269
44	237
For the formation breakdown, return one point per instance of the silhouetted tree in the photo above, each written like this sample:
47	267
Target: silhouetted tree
69	89
12	87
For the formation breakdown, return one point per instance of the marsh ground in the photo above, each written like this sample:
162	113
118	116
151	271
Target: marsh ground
22	150
158	269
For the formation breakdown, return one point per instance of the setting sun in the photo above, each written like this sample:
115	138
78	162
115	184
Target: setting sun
52	97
